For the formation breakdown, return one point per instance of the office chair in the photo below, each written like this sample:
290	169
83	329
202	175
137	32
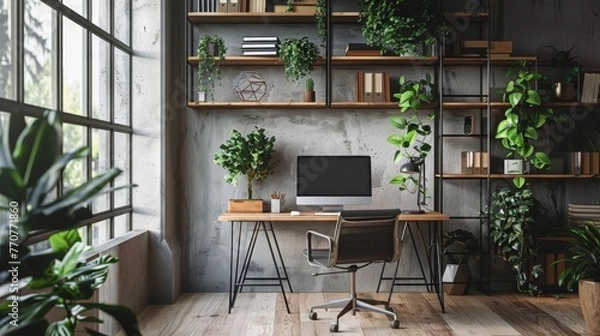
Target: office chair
361	237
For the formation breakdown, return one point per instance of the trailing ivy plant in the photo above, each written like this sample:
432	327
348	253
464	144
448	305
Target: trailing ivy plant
412	137
209	48
402	26
321	21
523	118
298	56
250	155
512	215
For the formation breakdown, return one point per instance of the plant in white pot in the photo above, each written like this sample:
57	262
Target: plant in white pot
459	247
582	268
250	155
210	48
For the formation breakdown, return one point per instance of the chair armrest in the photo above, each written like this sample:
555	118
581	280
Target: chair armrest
309	251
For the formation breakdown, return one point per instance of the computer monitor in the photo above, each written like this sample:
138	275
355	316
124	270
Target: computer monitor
333	181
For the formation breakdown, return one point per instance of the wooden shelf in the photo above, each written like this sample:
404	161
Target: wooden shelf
383	60
250	60
344	17
498	105
268	17
508	176
482	60
370	105
255	105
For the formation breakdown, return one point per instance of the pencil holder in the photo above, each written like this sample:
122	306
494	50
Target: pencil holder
275	205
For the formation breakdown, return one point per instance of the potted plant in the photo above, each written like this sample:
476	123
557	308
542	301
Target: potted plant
321	21
298	56
511	217
459	247
522	120
412	139
583	268
403	26
565	70
58	279
210	48
309	91
250	155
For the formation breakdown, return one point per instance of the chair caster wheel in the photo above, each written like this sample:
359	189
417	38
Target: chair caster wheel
333	328
395	324
312	316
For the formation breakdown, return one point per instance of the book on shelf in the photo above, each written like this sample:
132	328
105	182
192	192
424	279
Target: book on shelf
361	49
222	6
209	5
233	6
372	87
257	6
473	163
258	45
591	87
573	163
258	52
274	39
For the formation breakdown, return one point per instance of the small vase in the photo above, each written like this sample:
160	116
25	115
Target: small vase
202	97
515	167
309	96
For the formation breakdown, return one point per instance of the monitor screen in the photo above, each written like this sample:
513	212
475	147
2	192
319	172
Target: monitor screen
333	180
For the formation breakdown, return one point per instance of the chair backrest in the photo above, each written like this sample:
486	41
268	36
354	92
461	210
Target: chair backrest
366	235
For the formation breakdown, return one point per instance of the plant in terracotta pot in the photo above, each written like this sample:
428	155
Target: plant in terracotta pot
298	56
309	90
459	247
565	70
210	48
582	268
250	155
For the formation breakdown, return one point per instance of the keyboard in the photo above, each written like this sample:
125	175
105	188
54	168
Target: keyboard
326	213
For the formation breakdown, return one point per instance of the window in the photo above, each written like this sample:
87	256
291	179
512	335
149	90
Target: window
76	63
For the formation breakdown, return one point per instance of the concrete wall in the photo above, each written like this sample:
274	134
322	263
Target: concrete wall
204	194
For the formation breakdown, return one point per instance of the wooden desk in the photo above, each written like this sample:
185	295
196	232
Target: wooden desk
265	220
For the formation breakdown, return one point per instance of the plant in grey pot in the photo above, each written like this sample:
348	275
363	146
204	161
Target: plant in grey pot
518	130
250	155
298	56
403	26
459	247
582	268
210	48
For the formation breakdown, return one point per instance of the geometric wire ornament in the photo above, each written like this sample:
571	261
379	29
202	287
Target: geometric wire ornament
249	86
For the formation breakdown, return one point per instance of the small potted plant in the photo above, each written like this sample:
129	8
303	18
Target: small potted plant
458	248
583	268
298	56
565	70
522	120
210	48
250	155
309	91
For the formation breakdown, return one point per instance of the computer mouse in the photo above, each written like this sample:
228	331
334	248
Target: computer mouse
294	213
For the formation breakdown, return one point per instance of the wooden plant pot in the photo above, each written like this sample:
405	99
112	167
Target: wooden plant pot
245	205
589	298
309	96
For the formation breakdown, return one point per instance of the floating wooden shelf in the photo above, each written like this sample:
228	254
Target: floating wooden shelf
370	105
250	60
255	105
482	60
383	60
507	176
497	105
267	17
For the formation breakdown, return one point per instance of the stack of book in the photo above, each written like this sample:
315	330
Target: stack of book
473	163
260	46
590	92
361	49
480	48
372	87
579	213
208	5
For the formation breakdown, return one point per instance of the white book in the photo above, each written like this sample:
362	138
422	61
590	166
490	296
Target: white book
258	45
259	52
260	39
588	87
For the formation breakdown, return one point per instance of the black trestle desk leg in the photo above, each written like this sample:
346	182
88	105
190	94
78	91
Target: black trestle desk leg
248	258
412	237
276	267
397	264
231	277
280	256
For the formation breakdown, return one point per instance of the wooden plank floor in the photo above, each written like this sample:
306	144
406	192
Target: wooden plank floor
419	314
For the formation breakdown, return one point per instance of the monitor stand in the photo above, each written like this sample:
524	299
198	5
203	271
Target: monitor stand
333	208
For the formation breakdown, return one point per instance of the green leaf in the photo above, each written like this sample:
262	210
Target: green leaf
533	98
63	241
399	122
515	98
122	314
531	133
519	181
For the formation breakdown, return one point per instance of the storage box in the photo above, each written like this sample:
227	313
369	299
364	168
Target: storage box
245	205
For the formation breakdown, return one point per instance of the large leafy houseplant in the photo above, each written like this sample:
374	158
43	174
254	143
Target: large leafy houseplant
31	166
298	56
512	215
403	26
250	155
210	48
412	137
523	118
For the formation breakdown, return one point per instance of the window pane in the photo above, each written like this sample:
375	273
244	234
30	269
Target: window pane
39	63
100	232
121	152
5	51
121	88
100	164
76	5
74	67
100	78
121	225
101	13
122	20
75	173
83	233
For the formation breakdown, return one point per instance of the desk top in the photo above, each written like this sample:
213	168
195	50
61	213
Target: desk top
308	216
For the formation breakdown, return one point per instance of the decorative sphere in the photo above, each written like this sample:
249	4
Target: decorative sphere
249	86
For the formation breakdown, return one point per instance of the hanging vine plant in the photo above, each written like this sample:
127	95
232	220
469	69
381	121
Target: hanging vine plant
298	55
321	21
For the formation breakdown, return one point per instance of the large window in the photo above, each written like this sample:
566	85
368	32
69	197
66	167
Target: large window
75	59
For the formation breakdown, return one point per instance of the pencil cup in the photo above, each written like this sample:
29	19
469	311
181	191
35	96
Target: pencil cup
275	205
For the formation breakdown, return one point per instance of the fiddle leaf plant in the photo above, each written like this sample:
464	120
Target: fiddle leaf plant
250	155
523	118
412	137
298	56
209	49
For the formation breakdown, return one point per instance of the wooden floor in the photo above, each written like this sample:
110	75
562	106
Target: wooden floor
419	314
